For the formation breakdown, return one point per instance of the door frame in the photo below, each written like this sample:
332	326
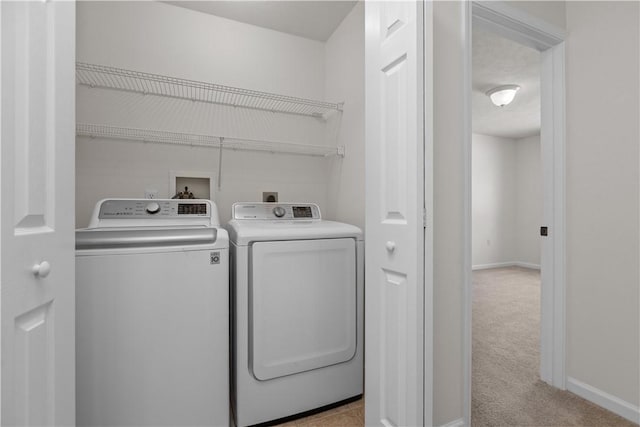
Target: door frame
427	213
523	28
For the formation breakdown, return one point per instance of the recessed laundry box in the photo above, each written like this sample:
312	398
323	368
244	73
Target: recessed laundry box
297	287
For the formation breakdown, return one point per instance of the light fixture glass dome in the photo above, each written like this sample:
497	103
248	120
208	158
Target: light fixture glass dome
503	95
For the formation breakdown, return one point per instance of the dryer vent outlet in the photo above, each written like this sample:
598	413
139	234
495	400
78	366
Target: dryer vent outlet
270	196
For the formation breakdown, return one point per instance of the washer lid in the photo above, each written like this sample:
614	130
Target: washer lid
243	232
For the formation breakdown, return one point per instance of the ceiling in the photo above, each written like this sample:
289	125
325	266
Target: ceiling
496	62
315	20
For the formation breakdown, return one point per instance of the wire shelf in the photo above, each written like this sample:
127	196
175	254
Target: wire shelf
101	76
189	139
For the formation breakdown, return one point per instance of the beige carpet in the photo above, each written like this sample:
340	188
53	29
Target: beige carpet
506	390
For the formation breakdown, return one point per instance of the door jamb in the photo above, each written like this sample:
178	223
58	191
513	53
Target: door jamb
519	26
427	179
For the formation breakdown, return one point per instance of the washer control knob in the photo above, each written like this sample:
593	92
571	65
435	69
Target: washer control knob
153	208
279	211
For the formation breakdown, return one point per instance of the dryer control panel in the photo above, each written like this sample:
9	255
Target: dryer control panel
276	211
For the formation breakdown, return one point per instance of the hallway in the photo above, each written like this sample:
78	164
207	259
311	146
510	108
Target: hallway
506	389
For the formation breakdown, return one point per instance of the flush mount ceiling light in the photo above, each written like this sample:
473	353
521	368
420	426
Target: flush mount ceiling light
503	95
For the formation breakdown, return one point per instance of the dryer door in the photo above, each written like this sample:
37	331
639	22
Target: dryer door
302	300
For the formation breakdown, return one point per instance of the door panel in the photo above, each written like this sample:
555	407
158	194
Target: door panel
34	370
36	225
31	118
393	341
394	300
302	296
394	143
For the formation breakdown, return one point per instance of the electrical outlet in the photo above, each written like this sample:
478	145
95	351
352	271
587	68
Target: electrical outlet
270	196
150	194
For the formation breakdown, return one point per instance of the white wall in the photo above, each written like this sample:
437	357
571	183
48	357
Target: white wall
344	75
603	278
165	39
506	201
528	213
162	38
494	196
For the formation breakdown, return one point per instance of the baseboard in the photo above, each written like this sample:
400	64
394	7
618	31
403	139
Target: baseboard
493	265
455	423
506	264
606	400
527	265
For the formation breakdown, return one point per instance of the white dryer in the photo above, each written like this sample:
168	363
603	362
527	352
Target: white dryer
297	302
152	315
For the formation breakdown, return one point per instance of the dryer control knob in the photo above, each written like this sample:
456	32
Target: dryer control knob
279	211
153	208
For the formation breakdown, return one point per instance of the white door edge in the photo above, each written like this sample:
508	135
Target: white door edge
549	40
428	210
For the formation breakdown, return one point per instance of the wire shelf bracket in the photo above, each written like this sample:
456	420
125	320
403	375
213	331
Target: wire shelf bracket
198	140
101	76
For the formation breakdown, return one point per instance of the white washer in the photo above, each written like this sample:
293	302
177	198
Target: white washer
297	302
152	315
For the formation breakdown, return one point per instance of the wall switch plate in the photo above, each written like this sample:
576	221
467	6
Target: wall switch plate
270	196
150	194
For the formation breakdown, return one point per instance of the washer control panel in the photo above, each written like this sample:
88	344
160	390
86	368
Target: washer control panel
123	213
141	208
276	211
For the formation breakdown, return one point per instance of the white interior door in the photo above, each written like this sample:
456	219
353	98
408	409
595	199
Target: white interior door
37	66
395	276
